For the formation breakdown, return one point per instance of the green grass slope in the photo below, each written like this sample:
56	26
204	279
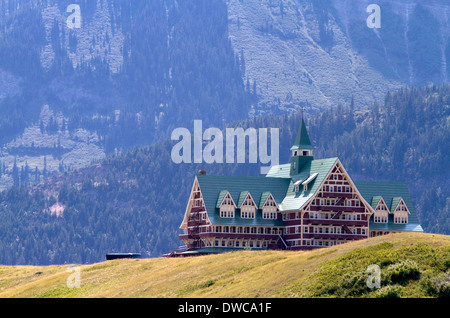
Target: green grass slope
412	265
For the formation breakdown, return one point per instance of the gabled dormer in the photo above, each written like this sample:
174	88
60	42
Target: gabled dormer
400	210
381	214
268	205
301	151
226	204
247	205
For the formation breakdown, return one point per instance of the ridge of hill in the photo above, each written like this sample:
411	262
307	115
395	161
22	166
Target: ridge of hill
411	265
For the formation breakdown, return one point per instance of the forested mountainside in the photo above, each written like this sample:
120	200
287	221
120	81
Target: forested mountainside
134	70
129	75
135	202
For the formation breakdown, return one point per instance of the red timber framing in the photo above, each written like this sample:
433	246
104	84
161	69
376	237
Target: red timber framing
336	214
195	219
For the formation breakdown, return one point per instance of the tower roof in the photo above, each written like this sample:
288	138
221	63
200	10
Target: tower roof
302	140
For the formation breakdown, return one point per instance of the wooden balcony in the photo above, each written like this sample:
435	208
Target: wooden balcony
335	222
196	209
239	235
347	195
334	236
337	208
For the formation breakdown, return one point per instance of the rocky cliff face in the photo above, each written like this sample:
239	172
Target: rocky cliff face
319	53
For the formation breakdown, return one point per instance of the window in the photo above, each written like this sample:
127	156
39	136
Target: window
227	208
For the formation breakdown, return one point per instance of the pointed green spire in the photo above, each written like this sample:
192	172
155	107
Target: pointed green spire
302	140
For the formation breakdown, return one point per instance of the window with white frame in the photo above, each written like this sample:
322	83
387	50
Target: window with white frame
401	213
227	207
381	212
248	208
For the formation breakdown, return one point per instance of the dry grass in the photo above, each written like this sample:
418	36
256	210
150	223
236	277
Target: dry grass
236	274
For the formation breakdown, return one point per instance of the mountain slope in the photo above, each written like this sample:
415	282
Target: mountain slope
318	53
132	72
135	201
135	70
315	273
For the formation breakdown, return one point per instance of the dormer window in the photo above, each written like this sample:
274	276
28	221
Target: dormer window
227	207
248	206
269	210
401	212
381	212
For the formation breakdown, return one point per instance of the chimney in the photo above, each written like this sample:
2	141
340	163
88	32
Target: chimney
203	172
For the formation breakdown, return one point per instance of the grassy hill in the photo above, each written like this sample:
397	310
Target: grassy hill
412	265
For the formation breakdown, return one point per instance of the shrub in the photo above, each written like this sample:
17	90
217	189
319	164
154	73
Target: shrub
391	291
439	286
355	283
401	273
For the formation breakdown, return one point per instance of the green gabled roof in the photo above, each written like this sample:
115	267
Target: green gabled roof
375	200
222	195
302	140
211	187
395	202
242	197
390	191
280	171
295	201
263	199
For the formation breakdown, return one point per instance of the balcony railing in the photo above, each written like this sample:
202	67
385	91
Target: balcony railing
344	236
337	208
336	222
347	195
